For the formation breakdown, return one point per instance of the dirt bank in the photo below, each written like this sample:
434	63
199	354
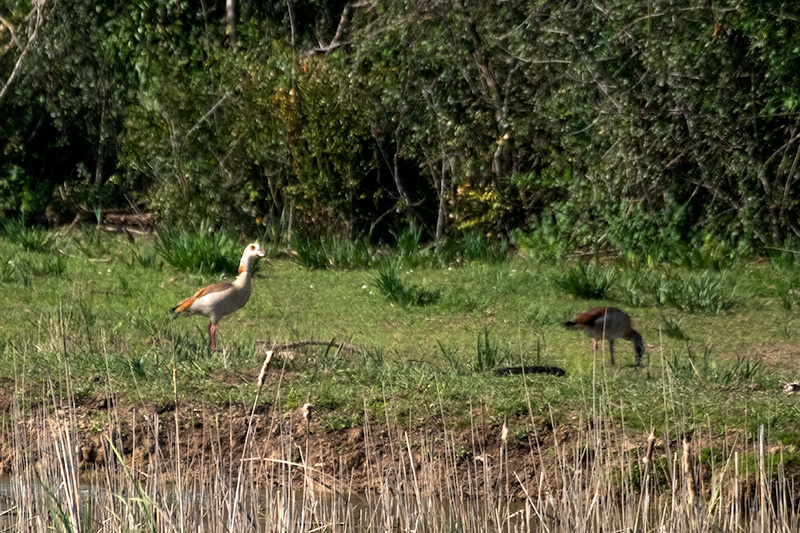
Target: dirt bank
215	440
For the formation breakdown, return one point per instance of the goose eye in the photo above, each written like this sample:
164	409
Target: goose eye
252	247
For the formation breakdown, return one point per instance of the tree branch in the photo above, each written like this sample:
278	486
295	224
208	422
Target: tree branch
204	117
335	42
38	9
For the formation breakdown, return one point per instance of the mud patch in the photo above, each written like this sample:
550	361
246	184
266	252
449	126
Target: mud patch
780	355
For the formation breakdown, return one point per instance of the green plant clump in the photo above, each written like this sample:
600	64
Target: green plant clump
589	282
388	282
704	292
204	252
487	355
31	238
336	252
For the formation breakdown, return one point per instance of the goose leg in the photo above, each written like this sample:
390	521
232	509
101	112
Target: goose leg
611	350
212	336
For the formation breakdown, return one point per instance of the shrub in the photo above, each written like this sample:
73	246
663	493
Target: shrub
588	282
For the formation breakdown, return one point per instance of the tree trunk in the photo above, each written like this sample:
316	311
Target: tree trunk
404	199
230	21
440	219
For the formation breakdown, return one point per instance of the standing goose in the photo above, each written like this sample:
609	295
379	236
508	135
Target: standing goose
222	299
608	323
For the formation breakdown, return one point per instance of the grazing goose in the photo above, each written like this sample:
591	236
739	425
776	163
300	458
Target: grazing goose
221	299
608	323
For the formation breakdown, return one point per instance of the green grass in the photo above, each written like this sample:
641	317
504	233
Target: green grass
109	316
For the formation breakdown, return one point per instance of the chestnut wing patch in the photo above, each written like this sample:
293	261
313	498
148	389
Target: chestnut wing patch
588	318
187	303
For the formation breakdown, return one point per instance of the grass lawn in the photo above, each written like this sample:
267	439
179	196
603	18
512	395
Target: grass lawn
91	313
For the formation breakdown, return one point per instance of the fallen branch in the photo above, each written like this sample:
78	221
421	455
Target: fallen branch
279	347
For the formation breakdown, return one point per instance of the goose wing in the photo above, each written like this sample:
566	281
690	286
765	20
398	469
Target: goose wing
205	291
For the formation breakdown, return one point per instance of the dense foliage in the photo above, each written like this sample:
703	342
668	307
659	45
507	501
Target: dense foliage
609	124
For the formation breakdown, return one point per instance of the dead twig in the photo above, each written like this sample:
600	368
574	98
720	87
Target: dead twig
279	347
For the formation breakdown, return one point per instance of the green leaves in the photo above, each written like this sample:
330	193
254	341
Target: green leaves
633	124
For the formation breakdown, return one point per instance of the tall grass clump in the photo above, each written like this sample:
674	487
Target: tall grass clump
31	238
788	294
589	282
92	242
205	251
389	283
703	292
40	266
710	255
8	273
408	246
488	354
657	286
23	267
478	247
787	280
333	252
673	329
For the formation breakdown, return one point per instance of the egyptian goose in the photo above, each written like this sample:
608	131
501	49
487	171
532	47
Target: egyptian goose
222	299
608	323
